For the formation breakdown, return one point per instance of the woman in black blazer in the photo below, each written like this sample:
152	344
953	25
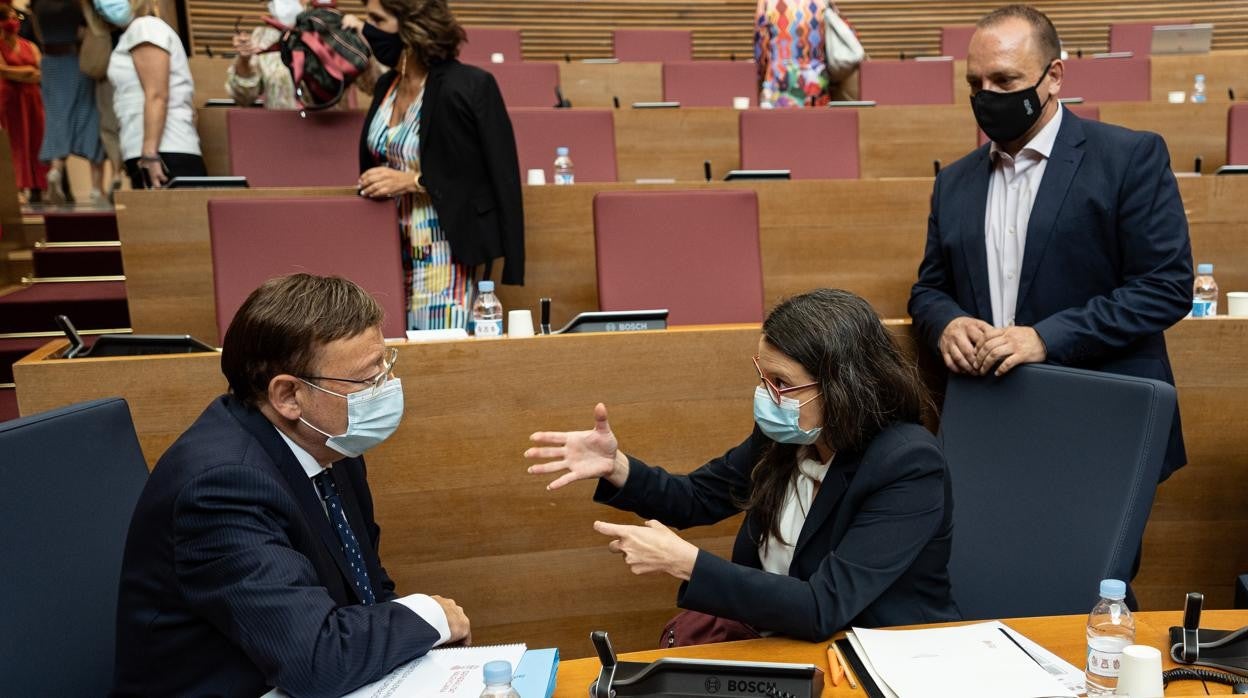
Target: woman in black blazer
438	139
847	498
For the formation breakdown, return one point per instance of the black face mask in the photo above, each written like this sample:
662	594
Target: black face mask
387	46
1006	116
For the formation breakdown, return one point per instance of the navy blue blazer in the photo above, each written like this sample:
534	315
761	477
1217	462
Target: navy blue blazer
233	580
1108	263
874	550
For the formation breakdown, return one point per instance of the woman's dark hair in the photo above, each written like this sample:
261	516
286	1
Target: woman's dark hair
865	383
428	28
282	326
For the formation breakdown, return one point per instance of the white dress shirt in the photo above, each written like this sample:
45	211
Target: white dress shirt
777	555
420	604
1011	192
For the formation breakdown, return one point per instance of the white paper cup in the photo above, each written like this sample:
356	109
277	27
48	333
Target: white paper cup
1237	303
519	323
740	102
1140	675
537	177
496	58
1178	97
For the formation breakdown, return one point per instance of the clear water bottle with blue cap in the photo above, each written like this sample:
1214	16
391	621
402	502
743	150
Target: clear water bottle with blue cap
563	167
1198	89
498	680
1111	628
487	311
1204	292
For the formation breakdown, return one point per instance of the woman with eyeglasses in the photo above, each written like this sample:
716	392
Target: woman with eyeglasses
846	495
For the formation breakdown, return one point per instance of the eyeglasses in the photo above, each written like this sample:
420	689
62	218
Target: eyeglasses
775	391
375	383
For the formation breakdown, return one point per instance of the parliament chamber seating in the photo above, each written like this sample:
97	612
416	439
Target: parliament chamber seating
954	41
589	135
1051	468
811	143
1136	37
1237	134
1107	79
694	253
653	45
347	236
484	42
906	82
529	84
710	83
277	148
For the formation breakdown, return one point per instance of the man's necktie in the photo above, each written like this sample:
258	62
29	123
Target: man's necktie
350	546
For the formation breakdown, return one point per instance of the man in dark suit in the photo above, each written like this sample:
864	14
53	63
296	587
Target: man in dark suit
1062	240
252	560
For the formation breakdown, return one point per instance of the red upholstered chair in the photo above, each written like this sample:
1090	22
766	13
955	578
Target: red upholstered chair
1108	79
277	148
526	84
710	83
812	143
1090	112
907	82
589	135
693	252
1237	134
256	240
483	42
955	40
1136	37
654	45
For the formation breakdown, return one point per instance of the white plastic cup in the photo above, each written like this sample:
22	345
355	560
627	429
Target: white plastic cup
519	323
1237	303
740	102
497	58
1178	97
1140	675
537	177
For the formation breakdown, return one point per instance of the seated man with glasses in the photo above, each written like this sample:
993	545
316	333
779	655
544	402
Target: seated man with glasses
252	558
848	511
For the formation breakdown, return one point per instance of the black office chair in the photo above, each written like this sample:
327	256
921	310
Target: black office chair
1054	471
69	480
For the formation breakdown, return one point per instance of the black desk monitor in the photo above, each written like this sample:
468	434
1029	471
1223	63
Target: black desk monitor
222	182
758	174
616	321
129	344
1232	170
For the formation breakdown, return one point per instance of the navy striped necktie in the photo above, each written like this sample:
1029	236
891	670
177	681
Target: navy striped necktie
328	490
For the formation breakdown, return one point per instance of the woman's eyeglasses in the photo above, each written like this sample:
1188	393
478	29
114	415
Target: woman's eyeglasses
775	391
374	383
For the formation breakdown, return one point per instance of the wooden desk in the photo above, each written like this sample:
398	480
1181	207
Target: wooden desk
462	519
902	141
1062	635
673	143
1190	130
209	77
595	84
1222	69
214	140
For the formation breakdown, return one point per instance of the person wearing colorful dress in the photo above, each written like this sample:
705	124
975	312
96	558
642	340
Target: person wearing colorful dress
21	104
438	140
792	58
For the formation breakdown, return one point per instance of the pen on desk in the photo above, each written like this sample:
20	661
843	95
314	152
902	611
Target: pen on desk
1007	634
849	673
836	668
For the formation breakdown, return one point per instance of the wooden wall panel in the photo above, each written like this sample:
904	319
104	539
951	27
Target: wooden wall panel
553	29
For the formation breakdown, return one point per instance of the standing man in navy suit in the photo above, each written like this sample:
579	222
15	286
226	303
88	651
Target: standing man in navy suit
1062	240
252	560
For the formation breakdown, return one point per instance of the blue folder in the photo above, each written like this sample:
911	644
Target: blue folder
535	677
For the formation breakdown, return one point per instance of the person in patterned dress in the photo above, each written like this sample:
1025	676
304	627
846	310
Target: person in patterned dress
438	139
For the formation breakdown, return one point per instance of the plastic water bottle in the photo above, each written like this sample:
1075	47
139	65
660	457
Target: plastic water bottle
498	680
1204	292
1198	89
1111	628
563	166
487	312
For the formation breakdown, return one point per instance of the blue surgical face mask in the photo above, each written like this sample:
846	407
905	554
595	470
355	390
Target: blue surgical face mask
372	416
780	422
115	12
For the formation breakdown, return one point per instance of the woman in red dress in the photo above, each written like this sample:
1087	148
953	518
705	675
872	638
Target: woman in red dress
21	104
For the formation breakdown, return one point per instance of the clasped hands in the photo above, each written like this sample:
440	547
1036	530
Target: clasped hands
593	454
971	346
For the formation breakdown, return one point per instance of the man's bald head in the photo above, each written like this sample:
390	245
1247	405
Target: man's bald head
1044	40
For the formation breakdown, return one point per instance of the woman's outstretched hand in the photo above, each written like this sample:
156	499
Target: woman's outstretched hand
584	455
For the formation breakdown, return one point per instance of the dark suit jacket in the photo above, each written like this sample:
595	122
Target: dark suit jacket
1108	262
874	549
468	164
233	580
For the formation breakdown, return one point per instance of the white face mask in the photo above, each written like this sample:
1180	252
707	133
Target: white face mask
372	416
285	11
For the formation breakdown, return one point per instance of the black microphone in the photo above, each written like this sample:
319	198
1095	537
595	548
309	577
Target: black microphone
1198	164
732	56
706	169
935	167
545	326
567	58
1078	53
1230	93
560	101
208	50
616	102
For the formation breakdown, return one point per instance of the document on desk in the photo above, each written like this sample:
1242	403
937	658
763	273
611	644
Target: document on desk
966	661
